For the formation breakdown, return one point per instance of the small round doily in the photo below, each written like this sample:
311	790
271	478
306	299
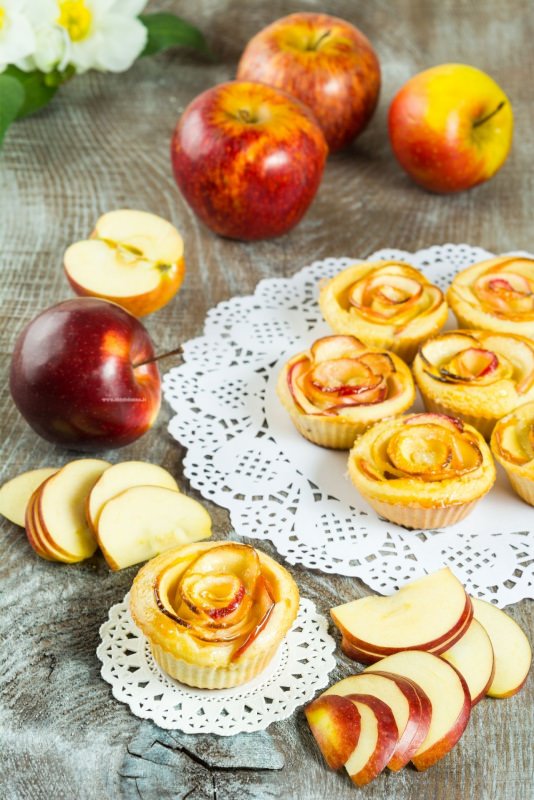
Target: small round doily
298	670
244	454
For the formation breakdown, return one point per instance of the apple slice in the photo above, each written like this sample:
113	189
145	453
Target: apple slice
377	741
123	476
335	724
472	656
15	494
143	521
33	536
409	705
134	259
38	538
60	509
511	649
448	694
422	615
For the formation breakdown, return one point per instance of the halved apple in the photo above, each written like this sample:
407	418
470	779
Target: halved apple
423	614
133	258
511	649
15	494
143	521
377	741
448	695
335	724
472	656
411	713
123	476
60	507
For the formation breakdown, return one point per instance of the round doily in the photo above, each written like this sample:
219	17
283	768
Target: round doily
298	670
245	455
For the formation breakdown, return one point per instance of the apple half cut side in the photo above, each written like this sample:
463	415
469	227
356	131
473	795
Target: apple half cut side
448	694
133	258
422	615
15	494
511	649
60	507
472	656
409	705
377	741
335	724
124	476
143	521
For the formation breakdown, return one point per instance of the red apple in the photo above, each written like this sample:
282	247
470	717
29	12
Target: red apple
74	376
324	61
248	159
451	127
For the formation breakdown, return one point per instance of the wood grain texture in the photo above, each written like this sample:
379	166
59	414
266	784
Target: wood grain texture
103	144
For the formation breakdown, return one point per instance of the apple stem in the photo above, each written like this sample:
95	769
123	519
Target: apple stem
158	358
315	45
490	115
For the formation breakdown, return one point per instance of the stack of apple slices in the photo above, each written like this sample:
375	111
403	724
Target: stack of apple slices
433	652
132	511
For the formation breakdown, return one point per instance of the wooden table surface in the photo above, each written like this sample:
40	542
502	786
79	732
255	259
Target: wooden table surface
103	144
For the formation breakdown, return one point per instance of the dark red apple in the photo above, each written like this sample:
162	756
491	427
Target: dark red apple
248	159
74	376
324	61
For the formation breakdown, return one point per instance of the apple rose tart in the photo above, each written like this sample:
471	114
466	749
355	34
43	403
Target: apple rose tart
214	613
422	471
340	387
476	375
495	295
387	304
512	444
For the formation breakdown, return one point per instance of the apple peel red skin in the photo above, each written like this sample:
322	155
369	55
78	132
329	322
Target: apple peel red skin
244	180
73	377
388	736
344	719
340	86
417	726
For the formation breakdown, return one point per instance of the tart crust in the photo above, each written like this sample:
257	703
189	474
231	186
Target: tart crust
411	310
315	413
512	444
190	659
443	494
479	399
480	298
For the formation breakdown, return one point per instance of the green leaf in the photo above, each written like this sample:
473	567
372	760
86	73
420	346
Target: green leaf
168	30
11	100
37	89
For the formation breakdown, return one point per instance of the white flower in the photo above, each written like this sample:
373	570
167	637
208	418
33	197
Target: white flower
17	38
89	34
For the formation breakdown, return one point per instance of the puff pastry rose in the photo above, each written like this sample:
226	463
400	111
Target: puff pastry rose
475	375
422	471
386	304
214	613
495	295
512	444
339	387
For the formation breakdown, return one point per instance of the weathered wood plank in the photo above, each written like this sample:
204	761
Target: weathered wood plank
102	145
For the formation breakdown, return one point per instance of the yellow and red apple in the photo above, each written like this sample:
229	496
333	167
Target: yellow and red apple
324	61
248	159
451	127
80	377
132	258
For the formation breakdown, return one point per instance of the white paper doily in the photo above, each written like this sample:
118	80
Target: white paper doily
245	455
300	667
